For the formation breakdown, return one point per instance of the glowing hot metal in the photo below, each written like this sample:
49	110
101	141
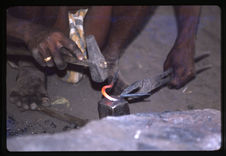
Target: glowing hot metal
103	91
112	105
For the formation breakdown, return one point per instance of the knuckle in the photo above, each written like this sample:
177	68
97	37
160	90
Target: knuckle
35	51
190	73
57	34
72	46
42	45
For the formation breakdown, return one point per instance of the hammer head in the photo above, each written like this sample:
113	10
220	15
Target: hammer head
97	64
112	108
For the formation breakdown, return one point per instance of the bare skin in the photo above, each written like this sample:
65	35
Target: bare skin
181	56
44	31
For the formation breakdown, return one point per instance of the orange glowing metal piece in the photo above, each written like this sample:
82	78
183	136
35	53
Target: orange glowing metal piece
106	95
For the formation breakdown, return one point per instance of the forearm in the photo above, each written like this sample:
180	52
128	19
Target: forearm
20	29
187	22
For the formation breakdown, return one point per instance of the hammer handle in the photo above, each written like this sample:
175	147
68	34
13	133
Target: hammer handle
67	58
64	117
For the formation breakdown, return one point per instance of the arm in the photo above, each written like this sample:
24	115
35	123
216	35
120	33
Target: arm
21	29
187	22
16	27
41	41
181	56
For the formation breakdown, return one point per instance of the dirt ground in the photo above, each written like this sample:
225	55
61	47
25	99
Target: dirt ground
142	59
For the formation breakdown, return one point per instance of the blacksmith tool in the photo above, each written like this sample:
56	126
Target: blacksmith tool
112	105
117	105
95	62
146	87
78	122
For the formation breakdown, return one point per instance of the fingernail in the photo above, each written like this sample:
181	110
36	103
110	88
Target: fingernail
33	106
45	99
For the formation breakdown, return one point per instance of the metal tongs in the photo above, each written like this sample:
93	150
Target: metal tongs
146	86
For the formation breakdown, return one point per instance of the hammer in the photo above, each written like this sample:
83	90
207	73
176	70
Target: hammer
95	62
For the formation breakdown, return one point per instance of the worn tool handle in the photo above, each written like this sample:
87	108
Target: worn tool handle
64	117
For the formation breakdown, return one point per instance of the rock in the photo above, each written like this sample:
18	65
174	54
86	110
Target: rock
180	130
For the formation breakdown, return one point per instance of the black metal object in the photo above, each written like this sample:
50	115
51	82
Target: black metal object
63	116
112	108
98	65
145	87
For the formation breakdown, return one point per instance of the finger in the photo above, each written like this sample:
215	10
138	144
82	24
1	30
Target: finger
174	81
55	52
45	54
38	57
63	50
179	81
60	63
45	101
71	46
25	106
14	98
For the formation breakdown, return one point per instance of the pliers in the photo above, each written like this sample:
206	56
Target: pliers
146	87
